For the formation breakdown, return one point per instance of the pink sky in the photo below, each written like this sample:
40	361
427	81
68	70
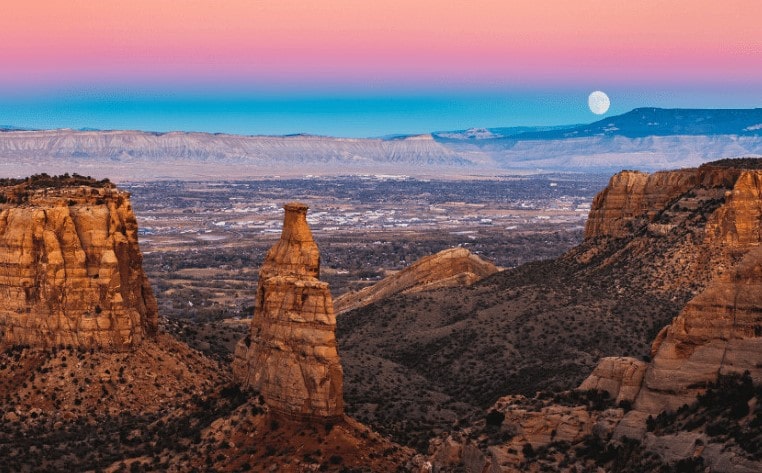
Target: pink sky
402	42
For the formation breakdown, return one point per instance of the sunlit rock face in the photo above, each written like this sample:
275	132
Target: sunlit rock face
720	330
290	354
71	269
619	376
632	196
452	267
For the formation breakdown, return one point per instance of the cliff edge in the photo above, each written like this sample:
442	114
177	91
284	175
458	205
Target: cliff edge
633	415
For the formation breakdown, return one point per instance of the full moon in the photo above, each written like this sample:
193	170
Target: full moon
598	102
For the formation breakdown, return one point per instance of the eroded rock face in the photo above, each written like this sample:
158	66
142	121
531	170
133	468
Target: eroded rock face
619	376
738	223
71	269
290	354
448	268
633	195
718	332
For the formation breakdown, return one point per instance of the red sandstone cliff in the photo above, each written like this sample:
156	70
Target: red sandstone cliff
718	332
634	195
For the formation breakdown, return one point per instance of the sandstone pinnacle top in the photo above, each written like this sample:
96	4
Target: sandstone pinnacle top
296	253
70	267
290	354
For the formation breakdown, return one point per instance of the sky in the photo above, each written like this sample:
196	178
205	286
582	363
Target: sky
366	68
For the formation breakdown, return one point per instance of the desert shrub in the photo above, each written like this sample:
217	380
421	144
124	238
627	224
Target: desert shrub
528	450
495	418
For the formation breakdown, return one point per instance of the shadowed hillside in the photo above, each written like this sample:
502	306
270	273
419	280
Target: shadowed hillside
544	325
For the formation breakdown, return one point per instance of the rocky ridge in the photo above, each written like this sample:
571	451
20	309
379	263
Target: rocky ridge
130	155
448	268
290	354
71	269
718	334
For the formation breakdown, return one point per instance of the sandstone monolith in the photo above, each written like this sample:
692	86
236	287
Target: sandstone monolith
290	355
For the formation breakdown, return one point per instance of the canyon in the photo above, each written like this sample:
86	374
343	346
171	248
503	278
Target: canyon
714	340
637	350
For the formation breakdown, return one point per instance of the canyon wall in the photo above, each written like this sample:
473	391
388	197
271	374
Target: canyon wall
714	214
720	329
634	196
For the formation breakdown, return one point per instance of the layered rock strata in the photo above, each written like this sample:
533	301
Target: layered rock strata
633	195
448	268
290	355
71	269
718	332
620	376
738	223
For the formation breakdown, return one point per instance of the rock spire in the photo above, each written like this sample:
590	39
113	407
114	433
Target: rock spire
290	354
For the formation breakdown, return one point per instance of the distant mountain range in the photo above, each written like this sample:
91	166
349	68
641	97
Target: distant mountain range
638	123
495	133
644	138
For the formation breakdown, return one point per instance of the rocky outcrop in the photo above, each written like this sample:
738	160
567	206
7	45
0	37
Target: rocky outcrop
718	332
71	269
528	424
290	354
632	196
619	202
738	223
448	268
619	376
715	213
